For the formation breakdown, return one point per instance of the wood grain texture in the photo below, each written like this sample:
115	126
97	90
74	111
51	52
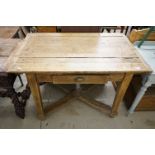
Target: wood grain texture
120	93
69	78
58	103
76	46
85	79
3	63
76	65
8	31
95	104
6	48
34	86
77	52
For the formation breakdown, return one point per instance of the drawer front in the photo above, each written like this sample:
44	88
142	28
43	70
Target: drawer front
85	79
44	78
82	79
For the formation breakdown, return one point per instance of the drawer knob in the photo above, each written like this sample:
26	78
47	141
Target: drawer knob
79	79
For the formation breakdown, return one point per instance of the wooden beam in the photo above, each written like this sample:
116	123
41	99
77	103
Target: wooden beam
34	86
95	104
58	103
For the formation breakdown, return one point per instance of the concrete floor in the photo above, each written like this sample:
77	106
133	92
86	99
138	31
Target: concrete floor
74	114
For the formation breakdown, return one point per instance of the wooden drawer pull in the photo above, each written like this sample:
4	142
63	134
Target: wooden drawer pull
79	79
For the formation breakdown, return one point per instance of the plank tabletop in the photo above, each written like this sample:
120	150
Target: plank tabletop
76	52
6	48
8	31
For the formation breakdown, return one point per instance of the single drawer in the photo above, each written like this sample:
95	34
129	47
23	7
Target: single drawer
86	79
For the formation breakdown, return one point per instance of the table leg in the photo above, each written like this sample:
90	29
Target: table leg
34	86
120	93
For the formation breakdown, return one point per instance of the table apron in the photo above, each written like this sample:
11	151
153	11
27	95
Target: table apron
78	78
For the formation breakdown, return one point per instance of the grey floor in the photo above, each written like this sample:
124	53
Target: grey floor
74	114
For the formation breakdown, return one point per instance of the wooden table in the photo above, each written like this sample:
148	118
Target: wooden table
8	31
77	58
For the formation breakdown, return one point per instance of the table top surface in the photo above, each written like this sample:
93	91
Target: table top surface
76	53
6	48
8	31
147	50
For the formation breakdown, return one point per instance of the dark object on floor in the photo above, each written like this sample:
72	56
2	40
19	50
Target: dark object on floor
18	99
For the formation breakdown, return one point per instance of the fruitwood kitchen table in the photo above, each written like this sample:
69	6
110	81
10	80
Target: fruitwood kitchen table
77	58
